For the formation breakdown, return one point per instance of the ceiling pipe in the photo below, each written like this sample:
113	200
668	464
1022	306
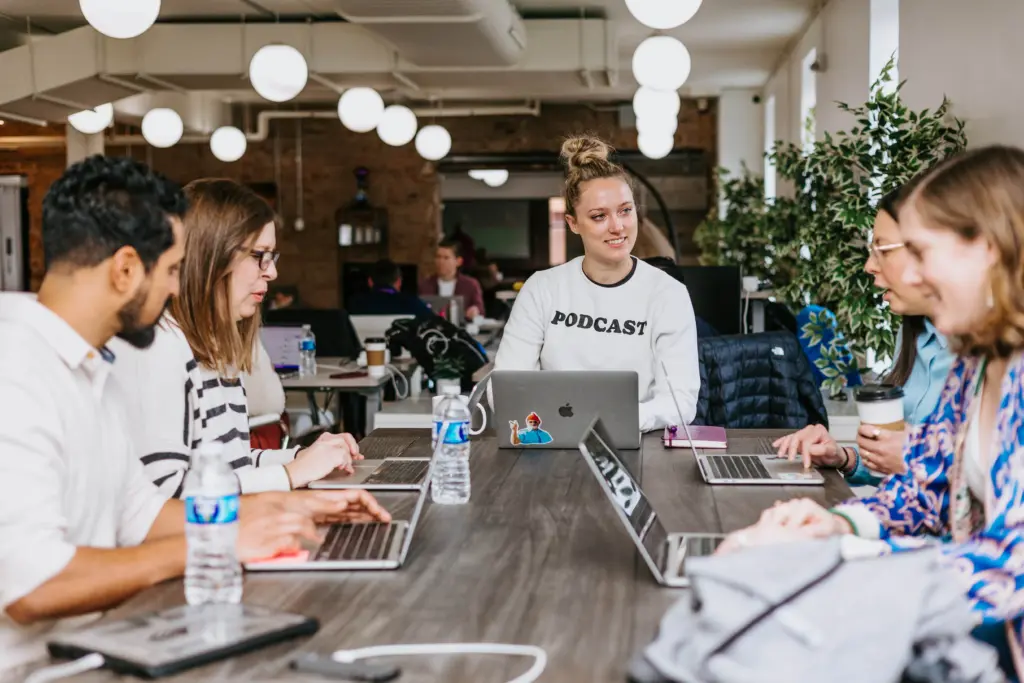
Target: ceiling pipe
264	118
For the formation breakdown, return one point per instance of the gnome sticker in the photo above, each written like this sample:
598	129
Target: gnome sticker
533	435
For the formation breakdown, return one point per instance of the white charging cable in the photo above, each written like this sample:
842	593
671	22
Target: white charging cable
59	671
396	374
540	657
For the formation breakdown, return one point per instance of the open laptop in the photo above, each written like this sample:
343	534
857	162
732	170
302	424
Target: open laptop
663	552
282	344
552	409
763	466
395	474
358	545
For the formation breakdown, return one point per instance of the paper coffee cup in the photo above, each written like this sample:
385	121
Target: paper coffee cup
376	349
880	405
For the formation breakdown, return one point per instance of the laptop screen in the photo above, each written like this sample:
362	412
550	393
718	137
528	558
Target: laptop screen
282	344
627	494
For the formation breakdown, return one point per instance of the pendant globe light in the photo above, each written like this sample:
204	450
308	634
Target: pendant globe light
278	72
162	127
120	18
228	143
92	121
658	125
661	63
433	142
663	14
360	109
648	101
397	125
656	146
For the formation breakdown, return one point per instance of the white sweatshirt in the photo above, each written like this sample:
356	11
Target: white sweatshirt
175	404
562	320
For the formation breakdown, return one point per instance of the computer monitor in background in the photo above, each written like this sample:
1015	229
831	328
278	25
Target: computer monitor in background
716	293
355	279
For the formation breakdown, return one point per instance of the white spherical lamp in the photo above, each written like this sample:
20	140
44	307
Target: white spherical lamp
661	63
663	14
496	177
656	146
360	109
92	121
162	127
397	125
433	142
228	143
120	18
648	101
278	72
657	124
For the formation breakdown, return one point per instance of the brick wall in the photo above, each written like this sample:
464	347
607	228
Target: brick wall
399	179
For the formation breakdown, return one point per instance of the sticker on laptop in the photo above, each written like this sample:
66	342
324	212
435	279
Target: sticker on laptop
795	476
532	435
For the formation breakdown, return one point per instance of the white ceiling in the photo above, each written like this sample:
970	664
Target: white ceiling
733	43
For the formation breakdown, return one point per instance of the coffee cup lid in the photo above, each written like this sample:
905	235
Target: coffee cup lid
376	340
877	392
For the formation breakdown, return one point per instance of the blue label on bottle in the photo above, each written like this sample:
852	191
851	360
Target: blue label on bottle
307	345
458	432
211	509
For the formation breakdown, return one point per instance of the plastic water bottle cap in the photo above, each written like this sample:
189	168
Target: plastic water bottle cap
307	328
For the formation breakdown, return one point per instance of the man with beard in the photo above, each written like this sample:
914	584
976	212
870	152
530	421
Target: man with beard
81	527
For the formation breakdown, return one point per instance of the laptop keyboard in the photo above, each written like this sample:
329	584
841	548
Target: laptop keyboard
702	546
399	472
737	467
357	541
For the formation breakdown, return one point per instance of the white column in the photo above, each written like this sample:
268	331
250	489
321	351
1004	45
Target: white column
740	132
80	145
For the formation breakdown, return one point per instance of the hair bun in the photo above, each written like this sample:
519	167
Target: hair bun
584	150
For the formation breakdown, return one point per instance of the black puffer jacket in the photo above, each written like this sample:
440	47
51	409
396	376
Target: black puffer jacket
757	381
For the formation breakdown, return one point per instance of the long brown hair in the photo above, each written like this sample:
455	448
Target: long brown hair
223	219
912	325
585	158
979	194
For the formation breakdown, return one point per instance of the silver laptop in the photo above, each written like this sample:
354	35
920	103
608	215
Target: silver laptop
282	345
664	553
358	545
762	466
553	409
439	304
395	474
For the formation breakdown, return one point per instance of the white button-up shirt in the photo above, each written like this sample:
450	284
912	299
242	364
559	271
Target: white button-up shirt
68	475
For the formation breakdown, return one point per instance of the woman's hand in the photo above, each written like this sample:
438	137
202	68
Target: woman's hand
276	531
328	453
882	449
814	445
804	515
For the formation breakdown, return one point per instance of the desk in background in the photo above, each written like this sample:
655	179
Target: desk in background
538	556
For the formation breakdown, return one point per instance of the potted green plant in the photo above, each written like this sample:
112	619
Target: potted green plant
447	371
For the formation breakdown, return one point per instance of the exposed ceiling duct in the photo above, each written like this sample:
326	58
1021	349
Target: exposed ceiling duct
476	32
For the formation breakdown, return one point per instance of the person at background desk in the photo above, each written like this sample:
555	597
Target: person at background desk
607	310
922	365
450	282
385	296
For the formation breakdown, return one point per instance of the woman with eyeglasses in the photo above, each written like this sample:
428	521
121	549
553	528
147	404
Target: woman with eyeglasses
187	389
922	363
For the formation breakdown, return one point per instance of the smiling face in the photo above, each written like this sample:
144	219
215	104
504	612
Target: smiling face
248	279
887	262
951	269
606	220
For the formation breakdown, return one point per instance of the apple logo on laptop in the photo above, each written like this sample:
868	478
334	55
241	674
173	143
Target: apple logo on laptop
565	411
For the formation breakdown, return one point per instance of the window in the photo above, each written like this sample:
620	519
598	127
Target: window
556	230
769	143
808	99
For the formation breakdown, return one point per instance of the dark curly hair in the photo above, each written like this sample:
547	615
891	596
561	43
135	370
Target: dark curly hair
103	204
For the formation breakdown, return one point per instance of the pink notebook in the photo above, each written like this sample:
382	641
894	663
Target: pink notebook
703	437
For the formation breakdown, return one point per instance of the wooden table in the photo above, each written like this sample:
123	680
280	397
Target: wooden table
538	557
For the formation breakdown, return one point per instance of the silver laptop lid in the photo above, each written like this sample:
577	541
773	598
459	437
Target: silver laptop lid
628	499
424	489
282	344
679	412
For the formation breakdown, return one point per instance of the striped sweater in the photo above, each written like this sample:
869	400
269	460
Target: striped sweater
176	405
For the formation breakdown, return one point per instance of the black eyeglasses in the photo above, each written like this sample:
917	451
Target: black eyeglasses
265	258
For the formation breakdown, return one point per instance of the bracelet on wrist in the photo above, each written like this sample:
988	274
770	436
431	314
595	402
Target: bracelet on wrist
846	459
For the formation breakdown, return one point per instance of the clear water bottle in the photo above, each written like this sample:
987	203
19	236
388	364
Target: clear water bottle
212	572
307	352
450	480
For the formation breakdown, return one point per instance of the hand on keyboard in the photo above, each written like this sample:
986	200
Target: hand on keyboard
349	505
328	453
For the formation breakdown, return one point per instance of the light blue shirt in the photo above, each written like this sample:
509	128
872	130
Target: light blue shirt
921	391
